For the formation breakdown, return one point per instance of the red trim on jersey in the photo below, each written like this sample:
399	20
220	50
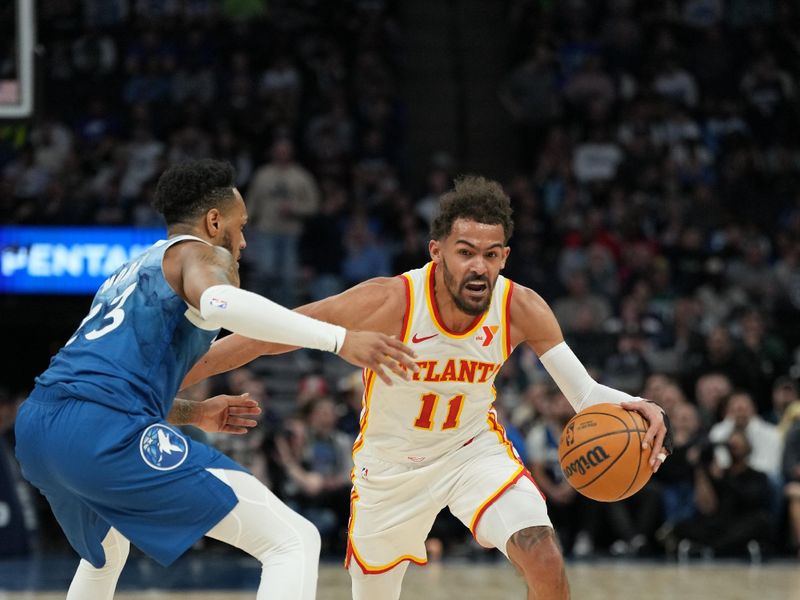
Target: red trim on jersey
492	500
507	317
437	316
351	555
407	314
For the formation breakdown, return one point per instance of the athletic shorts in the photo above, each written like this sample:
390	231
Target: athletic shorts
99	468
393	506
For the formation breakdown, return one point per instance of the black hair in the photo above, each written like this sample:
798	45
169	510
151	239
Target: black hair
189	189
477	199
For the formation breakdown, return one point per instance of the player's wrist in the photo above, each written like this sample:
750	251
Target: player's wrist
339	333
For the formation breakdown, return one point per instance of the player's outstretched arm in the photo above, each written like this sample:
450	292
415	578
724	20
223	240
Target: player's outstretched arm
372	305
533	321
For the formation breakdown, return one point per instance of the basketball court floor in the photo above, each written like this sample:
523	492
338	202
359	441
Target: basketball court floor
234	579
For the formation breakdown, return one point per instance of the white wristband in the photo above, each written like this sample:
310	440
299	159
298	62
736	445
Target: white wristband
256	317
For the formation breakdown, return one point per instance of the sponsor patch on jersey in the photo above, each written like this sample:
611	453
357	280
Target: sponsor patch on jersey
488	334
416	339
163	448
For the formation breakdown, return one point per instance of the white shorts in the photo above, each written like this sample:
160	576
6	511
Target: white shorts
393	506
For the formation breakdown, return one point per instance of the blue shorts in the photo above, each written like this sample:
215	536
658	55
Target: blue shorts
101	468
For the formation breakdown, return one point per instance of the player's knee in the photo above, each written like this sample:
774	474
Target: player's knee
312	542
116	548
305	538
535	549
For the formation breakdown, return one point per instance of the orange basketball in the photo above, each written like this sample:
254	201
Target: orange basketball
601	454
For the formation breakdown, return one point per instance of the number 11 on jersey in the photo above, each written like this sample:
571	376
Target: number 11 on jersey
428	408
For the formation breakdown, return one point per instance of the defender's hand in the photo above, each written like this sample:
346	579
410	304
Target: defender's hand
375	351
658	436
227	414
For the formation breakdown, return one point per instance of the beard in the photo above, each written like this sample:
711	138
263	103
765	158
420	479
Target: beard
456	291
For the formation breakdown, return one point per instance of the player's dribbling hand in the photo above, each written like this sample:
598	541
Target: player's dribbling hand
656	431
227	414
377	351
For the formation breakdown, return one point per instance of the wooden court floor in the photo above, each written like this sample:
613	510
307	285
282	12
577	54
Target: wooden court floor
600	581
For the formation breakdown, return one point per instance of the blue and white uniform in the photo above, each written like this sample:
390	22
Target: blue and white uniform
93	435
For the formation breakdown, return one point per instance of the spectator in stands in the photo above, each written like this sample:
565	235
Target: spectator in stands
573	515
581	310
791	475
732	503
281	195
318	464
677	478
764	451
710	391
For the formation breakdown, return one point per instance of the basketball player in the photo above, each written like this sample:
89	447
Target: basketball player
95	435
434	440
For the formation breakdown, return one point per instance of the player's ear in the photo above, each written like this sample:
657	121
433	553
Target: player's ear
213	222
506	252
435	250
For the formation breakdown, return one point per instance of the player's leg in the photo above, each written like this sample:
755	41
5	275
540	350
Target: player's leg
490	491
286	544
516	523
369	586
100	583
391	513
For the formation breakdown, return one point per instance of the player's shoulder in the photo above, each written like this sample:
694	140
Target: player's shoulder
527	300
384	290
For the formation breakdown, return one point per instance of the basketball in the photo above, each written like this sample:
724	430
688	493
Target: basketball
601	454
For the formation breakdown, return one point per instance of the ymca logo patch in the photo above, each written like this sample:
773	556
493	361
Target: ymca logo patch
163	448
488	334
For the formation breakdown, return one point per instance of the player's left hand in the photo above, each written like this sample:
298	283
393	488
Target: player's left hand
227	414
658	436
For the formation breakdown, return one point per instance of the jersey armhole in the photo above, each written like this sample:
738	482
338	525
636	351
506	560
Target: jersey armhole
409	308
507	348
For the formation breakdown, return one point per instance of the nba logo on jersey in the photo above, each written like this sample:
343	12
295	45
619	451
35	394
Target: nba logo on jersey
162	448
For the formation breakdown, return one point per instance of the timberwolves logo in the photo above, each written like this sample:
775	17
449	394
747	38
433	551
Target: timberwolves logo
162	448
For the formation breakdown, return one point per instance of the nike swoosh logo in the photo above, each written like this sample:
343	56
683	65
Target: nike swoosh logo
417	340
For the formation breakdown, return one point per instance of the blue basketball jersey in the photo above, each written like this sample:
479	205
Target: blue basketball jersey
137	343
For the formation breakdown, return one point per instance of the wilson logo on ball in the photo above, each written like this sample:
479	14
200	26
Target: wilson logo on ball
591	459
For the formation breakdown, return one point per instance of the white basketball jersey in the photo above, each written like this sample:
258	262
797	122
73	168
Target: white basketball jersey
449	401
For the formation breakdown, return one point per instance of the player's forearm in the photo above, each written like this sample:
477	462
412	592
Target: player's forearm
183	412
228	353
575	382
259	318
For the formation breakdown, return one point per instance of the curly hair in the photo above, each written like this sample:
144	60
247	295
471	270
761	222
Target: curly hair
189	189
477	199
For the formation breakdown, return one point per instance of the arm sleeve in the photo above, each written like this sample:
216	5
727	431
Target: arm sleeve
575	382
256	317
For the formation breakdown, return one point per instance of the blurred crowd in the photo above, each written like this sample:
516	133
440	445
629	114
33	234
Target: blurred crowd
656	206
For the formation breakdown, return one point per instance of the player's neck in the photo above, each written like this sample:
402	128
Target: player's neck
184	229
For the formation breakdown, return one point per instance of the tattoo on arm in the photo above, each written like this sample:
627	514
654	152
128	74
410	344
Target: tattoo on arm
526	539
182	412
